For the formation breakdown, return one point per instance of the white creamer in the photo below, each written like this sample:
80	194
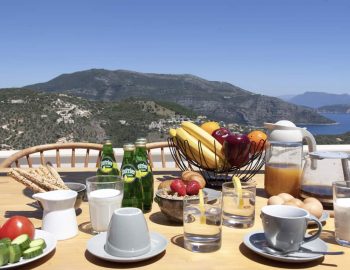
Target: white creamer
59	215
102	203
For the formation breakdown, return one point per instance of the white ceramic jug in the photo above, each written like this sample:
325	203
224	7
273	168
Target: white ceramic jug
59	215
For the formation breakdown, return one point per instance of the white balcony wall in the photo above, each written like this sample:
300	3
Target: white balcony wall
80	157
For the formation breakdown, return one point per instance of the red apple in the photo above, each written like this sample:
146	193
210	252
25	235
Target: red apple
193	188
178	186
221	134
236	149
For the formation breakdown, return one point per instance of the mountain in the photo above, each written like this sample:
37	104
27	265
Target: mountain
286	97
337	108
30	118
217	100
319	99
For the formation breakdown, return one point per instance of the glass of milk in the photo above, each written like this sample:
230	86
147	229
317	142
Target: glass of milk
105	194
341	203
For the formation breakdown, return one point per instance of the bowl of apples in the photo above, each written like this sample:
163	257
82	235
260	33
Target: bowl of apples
171	193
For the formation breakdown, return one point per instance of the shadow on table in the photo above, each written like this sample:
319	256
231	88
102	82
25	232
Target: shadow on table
99	262
178	240
327	236
37	214
258	259
161	219
86	227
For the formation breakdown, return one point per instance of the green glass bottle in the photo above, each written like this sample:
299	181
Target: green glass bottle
108	164
133	191
141	160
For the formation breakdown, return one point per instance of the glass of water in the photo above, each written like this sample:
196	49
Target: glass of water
105	194
238	206
202	225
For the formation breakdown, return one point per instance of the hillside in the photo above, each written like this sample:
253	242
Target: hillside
29	118
217	100
337	108
319	99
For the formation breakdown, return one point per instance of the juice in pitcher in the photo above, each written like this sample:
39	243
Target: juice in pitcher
282	178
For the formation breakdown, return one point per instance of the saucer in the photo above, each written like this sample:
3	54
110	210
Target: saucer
255	241
96	246
322	219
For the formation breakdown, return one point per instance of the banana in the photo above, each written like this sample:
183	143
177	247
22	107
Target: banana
205	138
172	132
205	156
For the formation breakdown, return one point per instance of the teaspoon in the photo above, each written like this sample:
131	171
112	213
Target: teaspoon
283	253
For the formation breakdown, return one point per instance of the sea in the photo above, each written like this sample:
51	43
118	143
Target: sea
342	126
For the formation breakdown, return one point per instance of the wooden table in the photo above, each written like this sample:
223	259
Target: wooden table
72	254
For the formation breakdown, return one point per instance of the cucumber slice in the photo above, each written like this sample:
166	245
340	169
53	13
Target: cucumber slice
4	255
15	253
32	252
6	241
23	241
38	243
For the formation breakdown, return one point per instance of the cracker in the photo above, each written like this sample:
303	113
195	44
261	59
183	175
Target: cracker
21	179
38	180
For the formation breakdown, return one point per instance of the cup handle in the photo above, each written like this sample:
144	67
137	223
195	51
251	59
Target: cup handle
316	235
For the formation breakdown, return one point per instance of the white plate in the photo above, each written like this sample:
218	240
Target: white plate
96	246
50	241
212	194
255	241
322	219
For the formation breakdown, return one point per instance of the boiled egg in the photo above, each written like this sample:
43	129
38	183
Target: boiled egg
275	200
285	196
314	209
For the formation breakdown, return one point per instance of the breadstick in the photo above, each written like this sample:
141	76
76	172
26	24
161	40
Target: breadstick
19	178
37	180
59	182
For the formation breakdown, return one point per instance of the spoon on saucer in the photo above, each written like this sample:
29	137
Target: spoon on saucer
301	250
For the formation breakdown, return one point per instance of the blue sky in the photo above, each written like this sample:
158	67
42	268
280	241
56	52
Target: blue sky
273	47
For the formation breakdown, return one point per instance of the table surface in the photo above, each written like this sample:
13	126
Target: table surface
72	253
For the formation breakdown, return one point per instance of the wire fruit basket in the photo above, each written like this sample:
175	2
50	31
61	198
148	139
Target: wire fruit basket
244	162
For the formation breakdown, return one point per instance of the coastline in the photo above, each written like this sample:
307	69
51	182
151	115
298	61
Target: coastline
316	124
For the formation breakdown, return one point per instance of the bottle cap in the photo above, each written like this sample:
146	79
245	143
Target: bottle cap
142	140
129	147
140	144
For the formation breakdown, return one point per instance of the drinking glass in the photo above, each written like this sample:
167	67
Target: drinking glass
202	225
341	204
105	194
238	210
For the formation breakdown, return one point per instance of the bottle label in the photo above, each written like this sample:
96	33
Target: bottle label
128	173
107	163
142	166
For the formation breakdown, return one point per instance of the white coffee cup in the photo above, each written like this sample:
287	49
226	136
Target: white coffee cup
285	226
128	234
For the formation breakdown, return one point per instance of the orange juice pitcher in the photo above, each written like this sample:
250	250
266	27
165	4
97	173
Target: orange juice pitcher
284	154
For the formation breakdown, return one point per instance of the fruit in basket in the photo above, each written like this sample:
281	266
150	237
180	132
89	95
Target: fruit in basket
236	149
178	186
210	126
203	156
221	134
188	176
205	138
192	188
165	184
257	139
16	226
